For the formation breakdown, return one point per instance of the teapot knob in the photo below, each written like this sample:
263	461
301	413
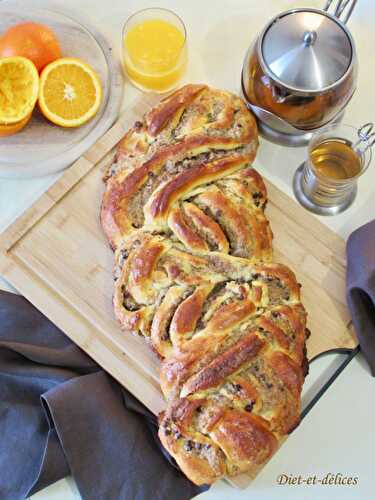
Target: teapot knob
309	38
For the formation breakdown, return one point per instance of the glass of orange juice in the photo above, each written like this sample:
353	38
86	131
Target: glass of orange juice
154	49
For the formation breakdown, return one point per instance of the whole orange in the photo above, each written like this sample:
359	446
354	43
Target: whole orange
36	42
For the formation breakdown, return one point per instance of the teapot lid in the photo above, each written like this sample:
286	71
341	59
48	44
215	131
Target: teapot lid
306	50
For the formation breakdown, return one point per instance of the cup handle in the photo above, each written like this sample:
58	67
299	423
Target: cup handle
366	135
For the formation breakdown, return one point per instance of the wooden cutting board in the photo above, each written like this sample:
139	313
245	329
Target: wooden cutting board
56	255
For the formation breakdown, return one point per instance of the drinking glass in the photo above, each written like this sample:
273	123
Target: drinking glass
160	70
323	194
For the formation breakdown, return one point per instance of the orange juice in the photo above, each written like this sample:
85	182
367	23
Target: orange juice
154	54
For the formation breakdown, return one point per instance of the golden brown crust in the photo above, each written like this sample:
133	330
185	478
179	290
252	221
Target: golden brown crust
178	222
245	440
188	222
168	193
221	322
193	138
159	116
223	365
194	275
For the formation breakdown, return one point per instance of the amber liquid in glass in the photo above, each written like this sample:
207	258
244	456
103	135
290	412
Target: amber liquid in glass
335	159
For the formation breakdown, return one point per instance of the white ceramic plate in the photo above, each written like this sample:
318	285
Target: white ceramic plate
42	148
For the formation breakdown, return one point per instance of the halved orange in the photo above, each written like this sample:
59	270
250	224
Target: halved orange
70	92
7	130
19	84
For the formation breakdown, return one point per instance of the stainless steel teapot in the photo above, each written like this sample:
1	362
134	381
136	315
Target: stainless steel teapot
301	72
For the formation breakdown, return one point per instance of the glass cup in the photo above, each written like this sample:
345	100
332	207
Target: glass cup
317	189
154	49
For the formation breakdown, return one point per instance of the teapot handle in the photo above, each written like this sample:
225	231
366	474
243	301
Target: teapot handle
342	6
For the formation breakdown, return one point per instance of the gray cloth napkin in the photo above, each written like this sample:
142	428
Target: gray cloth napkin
61	414
361	288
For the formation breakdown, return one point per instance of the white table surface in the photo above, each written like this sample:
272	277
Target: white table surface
338	435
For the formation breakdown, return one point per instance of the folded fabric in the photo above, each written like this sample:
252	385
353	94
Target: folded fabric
361	288
61	414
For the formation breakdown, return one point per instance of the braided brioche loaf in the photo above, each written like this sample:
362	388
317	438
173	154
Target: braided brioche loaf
184	212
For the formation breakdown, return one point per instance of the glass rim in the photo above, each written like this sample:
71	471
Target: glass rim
161	9
334	126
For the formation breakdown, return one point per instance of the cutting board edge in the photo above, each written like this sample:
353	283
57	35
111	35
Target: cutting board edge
70	178
48	301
